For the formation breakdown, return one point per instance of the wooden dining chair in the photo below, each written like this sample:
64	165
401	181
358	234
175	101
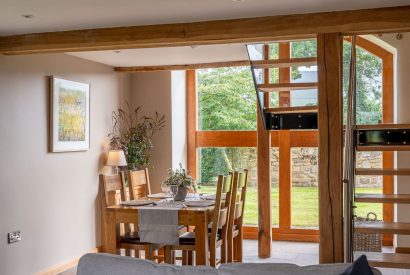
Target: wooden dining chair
113	193
235	222
138	184
219	223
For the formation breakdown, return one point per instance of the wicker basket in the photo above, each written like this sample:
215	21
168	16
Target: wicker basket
371	242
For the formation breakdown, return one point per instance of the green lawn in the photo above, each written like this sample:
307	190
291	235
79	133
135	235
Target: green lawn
304	205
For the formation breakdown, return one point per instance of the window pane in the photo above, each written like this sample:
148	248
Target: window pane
305	48
274	51
304	97
220	161
274	100
304	74
274	171
304	193
369	184
226	99
369	82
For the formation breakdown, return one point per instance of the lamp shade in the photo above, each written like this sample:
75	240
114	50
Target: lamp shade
116	158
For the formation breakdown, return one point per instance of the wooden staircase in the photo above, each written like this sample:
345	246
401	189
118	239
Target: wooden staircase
384	137
290	118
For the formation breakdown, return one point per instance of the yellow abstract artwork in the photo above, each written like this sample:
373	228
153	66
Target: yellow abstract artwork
71	115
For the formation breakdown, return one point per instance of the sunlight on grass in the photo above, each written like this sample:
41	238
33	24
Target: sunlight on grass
304	210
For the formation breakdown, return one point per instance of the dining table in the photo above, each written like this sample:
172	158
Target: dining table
199	217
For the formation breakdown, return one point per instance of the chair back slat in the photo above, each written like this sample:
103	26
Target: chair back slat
139	185
112	182
243	182
114	188
221	210
232	202
243	178
227	184
238	209
113	194
223	217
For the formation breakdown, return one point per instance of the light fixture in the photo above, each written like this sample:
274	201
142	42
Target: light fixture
116	158
27	16
238	0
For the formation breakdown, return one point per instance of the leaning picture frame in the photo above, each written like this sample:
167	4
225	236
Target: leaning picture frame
69	111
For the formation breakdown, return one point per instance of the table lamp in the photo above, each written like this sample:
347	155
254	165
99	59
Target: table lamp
116	158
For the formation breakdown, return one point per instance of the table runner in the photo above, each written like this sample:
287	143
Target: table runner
159	224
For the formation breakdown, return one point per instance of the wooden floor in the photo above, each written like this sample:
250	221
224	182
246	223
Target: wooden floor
286	252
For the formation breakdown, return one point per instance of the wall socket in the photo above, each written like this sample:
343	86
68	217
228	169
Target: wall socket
14	236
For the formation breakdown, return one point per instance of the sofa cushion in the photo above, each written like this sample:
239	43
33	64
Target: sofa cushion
108	264
283	269
359	267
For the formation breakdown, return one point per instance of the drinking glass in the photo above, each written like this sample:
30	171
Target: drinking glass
174	191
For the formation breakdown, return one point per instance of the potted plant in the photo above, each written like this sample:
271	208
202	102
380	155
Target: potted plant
179	182
132	133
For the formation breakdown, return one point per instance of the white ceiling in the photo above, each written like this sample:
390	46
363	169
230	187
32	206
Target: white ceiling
57	15
167	56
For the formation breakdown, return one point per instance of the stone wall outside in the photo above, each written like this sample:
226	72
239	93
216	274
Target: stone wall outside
305	168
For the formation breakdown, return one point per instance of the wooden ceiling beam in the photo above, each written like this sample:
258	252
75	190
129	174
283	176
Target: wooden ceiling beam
211	32
183	67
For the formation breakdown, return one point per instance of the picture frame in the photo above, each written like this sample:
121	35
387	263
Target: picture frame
69	115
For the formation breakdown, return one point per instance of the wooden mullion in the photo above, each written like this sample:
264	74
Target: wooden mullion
284	74
264	186
330	147
192	120
284	179
388	157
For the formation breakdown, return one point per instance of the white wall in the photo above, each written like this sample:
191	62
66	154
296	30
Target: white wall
179	131
402	90
50	197
152	91
163	92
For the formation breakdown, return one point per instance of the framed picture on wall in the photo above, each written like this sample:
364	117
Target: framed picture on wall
69	115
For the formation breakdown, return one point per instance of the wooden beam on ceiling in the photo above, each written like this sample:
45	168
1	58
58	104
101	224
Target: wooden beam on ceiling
183	67
211	32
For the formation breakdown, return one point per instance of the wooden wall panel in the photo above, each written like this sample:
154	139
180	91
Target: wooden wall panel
330	148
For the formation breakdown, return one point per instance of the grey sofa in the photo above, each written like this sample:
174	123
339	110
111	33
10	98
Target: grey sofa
107	264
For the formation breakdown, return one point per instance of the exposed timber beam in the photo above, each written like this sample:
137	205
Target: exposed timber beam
363	21
183	67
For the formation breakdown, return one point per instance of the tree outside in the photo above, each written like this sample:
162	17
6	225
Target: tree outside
227	101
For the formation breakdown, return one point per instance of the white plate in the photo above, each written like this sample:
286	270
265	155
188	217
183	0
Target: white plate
201	203
137	202
212	197
158	196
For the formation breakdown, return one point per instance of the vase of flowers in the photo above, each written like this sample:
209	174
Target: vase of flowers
179	182
132	133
